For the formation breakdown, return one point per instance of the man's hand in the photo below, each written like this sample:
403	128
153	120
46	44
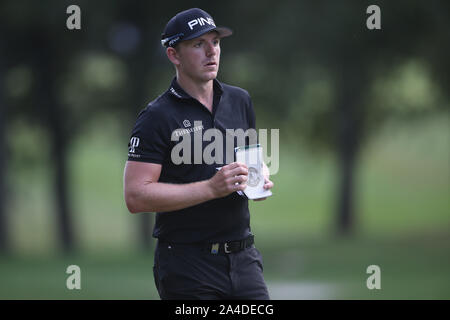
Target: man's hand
267	185
224	181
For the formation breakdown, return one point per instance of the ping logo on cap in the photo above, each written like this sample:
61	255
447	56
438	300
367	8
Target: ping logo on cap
200	21
190	24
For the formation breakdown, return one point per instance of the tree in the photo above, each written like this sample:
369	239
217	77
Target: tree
4	243
320	63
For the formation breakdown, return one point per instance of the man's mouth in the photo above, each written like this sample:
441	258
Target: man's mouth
209	64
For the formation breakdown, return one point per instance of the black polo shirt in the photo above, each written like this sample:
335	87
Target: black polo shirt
175	114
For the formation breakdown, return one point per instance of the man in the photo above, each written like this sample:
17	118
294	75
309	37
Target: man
205	249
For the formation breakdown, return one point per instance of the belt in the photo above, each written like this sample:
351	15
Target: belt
219	247
231	246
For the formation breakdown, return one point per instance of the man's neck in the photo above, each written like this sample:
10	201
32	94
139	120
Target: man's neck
202	91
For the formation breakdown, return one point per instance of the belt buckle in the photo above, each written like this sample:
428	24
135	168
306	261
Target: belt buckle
225	247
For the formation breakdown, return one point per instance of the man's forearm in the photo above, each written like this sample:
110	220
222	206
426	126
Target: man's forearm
162	197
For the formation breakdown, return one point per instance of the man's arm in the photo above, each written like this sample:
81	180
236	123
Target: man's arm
143	192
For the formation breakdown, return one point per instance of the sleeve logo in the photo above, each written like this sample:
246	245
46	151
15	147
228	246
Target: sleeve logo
134	142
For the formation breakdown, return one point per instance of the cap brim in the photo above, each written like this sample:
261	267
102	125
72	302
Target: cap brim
222	31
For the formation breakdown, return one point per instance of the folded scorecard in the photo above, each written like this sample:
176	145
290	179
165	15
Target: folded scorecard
252	157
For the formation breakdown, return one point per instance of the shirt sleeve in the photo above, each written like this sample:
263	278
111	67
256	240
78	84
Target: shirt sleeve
149	140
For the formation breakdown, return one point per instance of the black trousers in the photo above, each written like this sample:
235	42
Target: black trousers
188	272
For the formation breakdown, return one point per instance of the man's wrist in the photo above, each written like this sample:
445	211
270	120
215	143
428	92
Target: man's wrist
208	189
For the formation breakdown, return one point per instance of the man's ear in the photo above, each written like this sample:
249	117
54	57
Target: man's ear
173	56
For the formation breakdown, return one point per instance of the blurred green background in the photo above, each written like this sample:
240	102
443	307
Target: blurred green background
364	176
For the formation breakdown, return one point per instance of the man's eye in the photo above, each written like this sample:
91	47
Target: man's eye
197	45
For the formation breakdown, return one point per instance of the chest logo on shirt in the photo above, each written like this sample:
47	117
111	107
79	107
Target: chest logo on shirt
134	142
186	123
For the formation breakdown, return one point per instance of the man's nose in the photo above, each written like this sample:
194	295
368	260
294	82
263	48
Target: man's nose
210	49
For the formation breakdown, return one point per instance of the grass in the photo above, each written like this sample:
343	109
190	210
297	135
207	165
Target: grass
410	269
402	222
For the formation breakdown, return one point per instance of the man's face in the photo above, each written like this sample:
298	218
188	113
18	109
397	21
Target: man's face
199	58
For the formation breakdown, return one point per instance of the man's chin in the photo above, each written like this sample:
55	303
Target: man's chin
212	73
205	76
210	76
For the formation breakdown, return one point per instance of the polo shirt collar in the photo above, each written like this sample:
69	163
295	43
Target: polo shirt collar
176	90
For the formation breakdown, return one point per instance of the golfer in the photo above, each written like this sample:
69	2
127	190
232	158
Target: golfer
205	247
